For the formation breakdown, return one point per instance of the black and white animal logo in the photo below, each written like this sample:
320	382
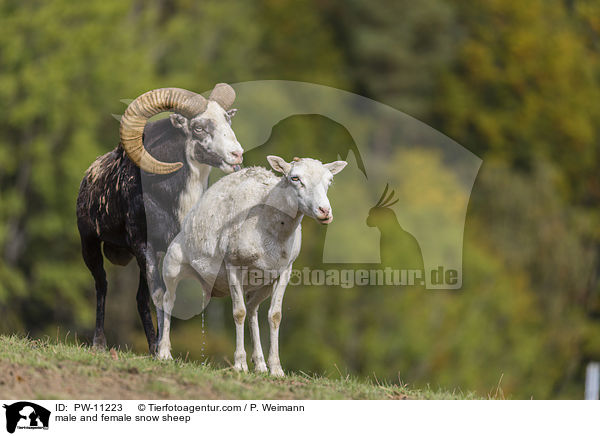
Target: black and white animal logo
26	415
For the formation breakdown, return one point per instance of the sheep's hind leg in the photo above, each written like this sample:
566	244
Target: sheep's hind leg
149	280
92	256
254	301
239	316
143	305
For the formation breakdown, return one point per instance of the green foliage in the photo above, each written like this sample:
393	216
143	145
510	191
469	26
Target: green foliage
525	87
64	67
395	49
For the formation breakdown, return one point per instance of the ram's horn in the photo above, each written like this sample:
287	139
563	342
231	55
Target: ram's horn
137	114
223	94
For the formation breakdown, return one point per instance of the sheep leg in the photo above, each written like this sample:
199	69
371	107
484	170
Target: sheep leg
143	306
275	320
157	294
164	346
254	301
160	318
239	316
92	256
173	270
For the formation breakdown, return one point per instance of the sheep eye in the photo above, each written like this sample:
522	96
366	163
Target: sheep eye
295	179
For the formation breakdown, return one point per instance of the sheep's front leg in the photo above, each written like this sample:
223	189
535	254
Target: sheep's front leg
239	316
164	305
275	320
253	302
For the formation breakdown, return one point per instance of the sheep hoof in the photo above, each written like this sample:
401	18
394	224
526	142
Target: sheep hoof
99	343
241	367
260	367
164	355
277	371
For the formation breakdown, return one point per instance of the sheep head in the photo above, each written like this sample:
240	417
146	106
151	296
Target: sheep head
192	111
310	180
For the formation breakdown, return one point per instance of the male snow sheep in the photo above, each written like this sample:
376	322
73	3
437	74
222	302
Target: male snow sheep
136	212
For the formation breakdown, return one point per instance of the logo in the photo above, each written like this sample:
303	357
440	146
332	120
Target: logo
399	207
26	415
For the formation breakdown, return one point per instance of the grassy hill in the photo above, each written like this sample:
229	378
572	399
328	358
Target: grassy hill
44	369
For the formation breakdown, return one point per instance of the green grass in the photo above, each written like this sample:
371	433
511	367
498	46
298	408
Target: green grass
45	369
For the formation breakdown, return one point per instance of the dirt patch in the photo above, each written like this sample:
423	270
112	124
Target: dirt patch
75	381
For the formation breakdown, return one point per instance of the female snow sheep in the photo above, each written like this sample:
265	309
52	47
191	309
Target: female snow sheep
248	222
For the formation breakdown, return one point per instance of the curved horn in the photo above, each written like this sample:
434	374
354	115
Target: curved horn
137	114
223	94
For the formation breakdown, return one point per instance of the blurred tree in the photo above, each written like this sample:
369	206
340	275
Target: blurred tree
64	67
394	50
524	90
200	43
525	87
537	236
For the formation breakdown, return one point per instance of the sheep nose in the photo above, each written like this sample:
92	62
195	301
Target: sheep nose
324	210
238	156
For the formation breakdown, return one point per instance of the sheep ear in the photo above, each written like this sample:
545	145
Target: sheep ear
336	167
178	121
279	165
